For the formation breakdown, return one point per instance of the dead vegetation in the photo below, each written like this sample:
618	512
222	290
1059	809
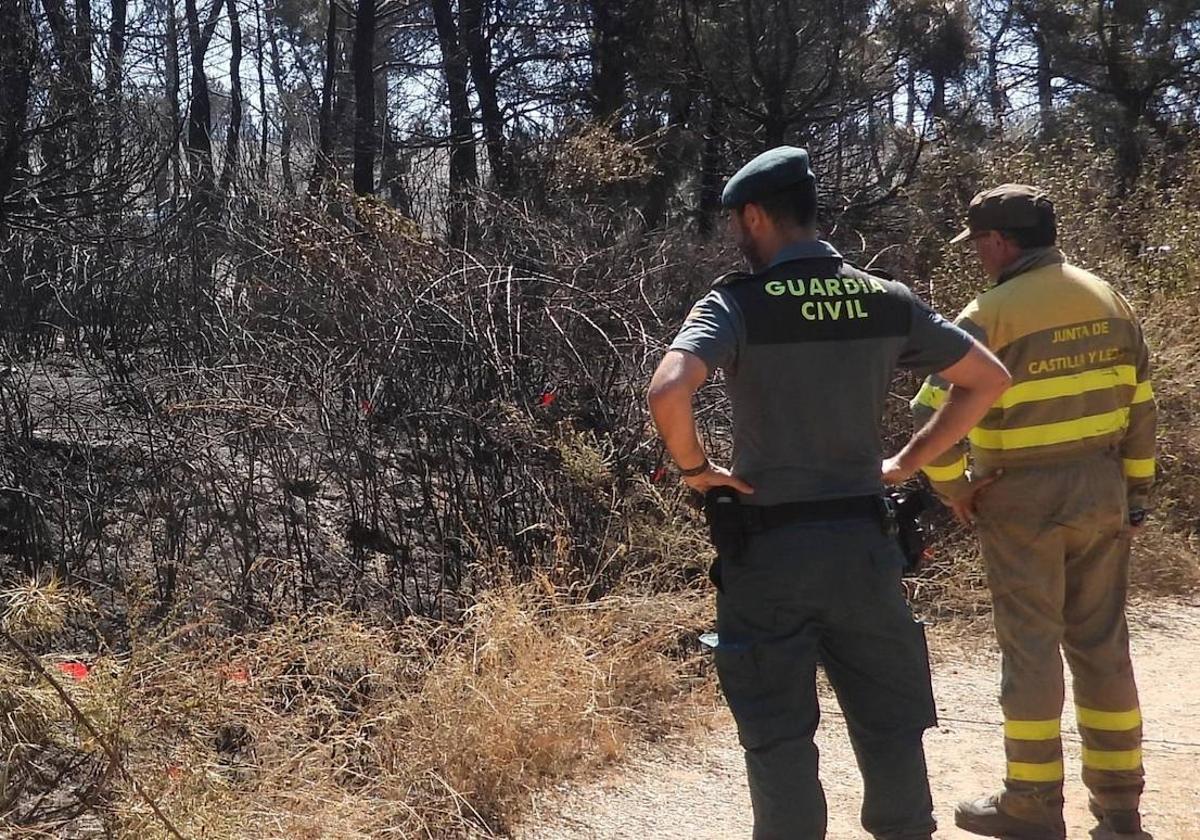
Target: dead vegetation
356	535
329	726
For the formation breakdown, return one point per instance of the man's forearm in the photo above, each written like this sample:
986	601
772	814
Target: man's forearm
963	409
671	410
976	381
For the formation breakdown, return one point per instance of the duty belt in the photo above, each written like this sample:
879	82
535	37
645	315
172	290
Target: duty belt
730	523
756	518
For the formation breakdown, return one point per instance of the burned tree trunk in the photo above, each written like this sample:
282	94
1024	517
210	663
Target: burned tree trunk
234	134
18	50
324	156
464	171
198	142
480	53
362	66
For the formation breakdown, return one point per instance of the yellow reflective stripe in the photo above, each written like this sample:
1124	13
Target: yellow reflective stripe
1051	771
930	396
1143	393
1108	721
1047	434
1067	386
1031	730
1139	467
1112	759
951	473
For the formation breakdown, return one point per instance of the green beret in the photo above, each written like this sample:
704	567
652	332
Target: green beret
773	171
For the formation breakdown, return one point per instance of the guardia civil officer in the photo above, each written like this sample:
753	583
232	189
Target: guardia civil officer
1069	456
808	345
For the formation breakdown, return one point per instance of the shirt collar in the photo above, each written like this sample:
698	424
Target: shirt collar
1032	259
805	249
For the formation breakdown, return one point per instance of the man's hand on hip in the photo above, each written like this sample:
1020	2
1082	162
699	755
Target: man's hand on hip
963	507
895	472
716	476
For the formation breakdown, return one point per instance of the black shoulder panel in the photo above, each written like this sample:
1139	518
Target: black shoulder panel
731	277
820	300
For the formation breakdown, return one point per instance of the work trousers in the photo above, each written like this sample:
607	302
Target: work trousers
826	593
1056	546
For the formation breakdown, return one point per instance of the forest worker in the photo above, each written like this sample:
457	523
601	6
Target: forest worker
809	345
1068	453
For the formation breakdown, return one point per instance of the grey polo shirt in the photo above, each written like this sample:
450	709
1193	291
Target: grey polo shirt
809	348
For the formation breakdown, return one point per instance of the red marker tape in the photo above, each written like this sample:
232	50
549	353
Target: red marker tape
75	670
234	674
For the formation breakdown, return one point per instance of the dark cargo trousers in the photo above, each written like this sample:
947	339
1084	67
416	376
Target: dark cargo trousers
828	593
1056	544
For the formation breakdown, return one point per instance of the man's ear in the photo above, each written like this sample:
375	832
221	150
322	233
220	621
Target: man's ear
1010	245
753	217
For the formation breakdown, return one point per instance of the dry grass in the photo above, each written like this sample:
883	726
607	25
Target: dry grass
1167	555
328	727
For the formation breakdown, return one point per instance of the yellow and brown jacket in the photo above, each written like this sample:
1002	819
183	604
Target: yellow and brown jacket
1081	377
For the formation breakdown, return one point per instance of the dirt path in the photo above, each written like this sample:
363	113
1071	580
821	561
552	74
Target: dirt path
698	791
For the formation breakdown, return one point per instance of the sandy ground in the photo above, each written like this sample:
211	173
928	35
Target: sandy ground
697	790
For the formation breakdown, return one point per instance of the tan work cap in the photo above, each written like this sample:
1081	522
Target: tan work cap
1007	207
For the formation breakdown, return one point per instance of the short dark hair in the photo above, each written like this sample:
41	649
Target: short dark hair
797	205
1042	236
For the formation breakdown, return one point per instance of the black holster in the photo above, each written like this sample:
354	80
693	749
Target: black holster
726	529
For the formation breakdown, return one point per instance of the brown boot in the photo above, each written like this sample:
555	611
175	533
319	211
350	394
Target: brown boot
1117	825
986	817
